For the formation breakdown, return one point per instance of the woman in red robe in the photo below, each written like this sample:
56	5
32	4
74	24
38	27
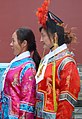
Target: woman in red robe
58	81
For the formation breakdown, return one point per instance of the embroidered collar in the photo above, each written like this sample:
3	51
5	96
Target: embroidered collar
43	64
54	52
59	49
19	57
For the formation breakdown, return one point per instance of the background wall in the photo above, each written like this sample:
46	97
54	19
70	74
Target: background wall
18	13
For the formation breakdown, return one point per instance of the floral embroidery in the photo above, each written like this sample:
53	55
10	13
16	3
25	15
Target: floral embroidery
15	81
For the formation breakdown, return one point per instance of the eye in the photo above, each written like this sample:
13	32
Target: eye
43	35
13	40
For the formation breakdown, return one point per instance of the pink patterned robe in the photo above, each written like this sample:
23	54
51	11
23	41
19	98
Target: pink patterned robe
18	97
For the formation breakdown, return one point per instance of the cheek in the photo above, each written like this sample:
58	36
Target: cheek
47	41
17	49
16	45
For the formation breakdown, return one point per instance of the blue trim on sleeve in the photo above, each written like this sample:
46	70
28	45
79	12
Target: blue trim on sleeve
27	108
12	117
27	66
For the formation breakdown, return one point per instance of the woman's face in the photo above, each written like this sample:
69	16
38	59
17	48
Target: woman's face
16	47
45	39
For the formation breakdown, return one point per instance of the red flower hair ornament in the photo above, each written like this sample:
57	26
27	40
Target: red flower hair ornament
42	12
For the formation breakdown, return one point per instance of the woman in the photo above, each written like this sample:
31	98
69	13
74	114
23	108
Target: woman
57	79
19	87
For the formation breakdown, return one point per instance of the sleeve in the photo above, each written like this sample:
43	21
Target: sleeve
28	93
69	89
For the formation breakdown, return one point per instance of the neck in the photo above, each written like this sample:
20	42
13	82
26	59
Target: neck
54	47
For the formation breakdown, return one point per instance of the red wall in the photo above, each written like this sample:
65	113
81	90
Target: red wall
18	13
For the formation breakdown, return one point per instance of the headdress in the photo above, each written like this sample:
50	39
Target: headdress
45	17
53	24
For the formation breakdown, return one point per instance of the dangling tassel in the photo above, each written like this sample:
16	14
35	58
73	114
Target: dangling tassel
43	54
54	90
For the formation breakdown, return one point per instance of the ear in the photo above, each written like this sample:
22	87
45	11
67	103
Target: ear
24	43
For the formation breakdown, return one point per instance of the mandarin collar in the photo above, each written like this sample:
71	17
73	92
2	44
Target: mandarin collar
59	49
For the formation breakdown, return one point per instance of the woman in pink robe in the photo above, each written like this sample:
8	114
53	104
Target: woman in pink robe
19	86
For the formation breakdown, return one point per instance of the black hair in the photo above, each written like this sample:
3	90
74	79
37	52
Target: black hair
52	27
28	35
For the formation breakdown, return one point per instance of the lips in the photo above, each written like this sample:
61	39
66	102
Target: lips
12	48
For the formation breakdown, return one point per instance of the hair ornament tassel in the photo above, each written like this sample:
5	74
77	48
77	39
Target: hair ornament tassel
70	34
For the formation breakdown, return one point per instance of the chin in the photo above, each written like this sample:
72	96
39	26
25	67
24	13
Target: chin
15	54
45	47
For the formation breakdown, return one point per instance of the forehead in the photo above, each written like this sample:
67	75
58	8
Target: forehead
14	35
43	31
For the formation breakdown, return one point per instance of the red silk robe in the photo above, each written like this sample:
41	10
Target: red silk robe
56	96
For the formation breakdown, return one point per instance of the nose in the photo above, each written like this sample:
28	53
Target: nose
11	44
41	39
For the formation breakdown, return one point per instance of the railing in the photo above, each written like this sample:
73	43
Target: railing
77	114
